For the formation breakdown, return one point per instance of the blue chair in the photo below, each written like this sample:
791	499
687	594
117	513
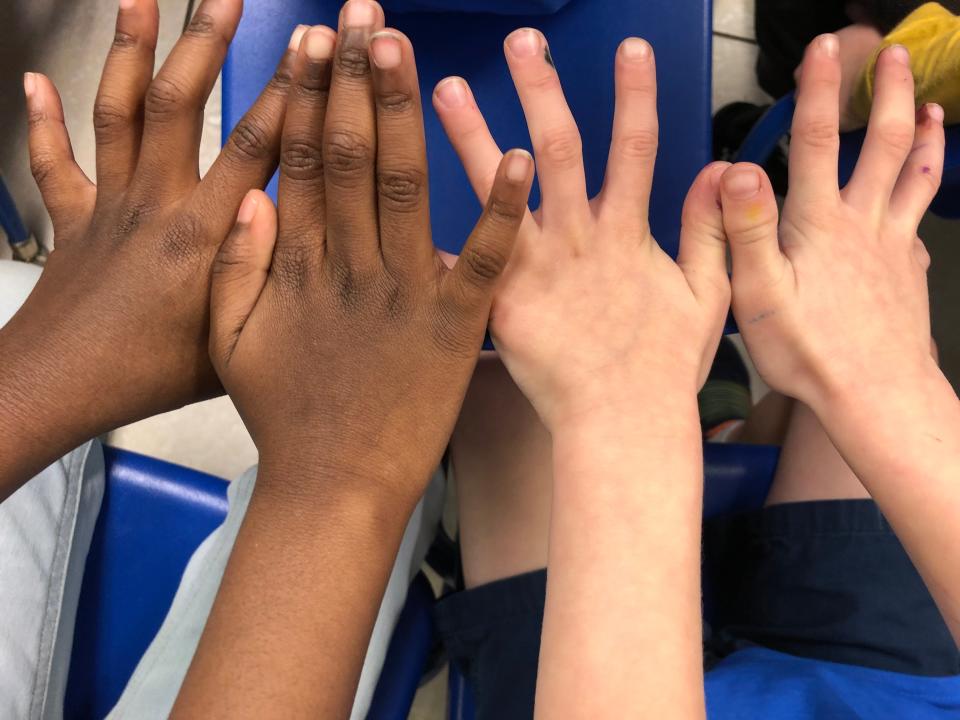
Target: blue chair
154	516
775	124
21	241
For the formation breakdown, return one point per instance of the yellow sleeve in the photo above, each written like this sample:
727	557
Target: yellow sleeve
932	35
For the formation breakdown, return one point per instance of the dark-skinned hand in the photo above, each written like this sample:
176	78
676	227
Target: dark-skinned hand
334	321
116	328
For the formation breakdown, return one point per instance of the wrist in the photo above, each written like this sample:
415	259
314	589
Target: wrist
313	476
873	391
37	425
659	404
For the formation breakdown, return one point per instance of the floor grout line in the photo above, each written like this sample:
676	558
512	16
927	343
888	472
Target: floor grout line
731	36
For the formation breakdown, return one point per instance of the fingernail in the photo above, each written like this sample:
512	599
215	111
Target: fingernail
248	208
318	44
518	165
830	45
525	43
453	93
899	53
386	50
29	85
635	49
934	112
742	183
717	174
127	4
358	13
298	32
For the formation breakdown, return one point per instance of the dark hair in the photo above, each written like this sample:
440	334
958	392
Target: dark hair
887	14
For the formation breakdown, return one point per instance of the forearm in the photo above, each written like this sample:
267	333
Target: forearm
289	629
903	442
622	618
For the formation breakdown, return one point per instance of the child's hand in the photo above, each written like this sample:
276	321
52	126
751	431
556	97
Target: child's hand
116	327
345	342
840	302
590	308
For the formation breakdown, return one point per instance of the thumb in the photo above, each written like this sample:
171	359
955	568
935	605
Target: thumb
240	272
468	288
750	219
703	245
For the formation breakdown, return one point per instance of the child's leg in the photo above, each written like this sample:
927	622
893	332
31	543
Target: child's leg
819	572
810	467
501	460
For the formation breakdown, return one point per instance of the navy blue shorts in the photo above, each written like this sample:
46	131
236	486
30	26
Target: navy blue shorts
824	580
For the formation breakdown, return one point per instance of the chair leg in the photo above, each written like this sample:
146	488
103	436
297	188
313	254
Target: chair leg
24	244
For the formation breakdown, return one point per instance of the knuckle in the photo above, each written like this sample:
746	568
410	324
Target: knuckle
401	190
353	62
484	265
350	286
229	260
282	80
130	219
561	148
110	115
180	242
302	159
898	135
547	81
165	99
250	140
346	154
502	212
35	119
124	40
202	25
292	266
314	82
639	145
43	165
818	134
398	102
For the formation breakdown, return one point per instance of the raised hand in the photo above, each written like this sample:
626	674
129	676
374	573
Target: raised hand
836	297
347	345
116	328
590	306
335	323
